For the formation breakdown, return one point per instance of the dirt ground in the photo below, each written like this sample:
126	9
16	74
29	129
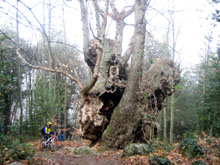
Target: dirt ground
58	158
63	156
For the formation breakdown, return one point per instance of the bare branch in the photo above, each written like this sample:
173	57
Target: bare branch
120	15
93	33
128	52
99	52
104	23
69	45
98	27
115	11
97	8
127	13
42	27
120	24
48	69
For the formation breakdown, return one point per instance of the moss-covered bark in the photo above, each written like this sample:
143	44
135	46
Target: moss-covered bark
122	128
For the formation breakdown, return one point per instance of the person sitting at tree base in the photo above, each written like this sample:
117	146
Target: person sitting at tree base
60	136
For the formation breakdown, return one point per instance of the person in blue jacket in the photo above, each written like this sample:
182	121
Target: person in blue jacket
46	131
60	136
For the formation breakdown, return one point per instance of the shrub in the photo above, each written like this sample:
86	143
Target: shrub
190	148
199	162
161	145
156	160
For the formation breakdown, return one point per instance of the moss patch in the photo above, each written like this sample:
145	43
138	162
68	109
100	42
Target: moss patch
103	148
84	150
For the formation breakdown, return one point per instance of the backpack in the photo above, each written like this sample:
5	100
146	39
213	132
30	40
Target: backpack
42	131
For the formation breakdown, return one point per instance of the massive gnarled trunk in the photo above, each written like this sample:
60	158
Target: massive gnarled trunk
122	105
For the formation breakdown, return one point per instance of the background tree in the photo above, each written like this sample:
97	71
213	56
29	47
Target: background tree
8	84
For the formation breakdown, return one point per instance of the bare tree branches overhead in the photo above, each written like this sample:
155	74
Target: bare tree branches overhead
49	38
99	52
49	69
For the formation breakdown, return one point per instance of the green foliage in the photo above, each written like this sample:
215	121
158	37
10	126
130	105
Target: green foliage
156	160
151	61
12	149
144	97
8	82
44	99
199	162
190	148
216	15
155	144
189	134
185	105
209	111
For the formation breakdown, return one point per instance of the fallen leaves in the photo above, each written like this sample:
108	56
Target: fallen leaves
114	156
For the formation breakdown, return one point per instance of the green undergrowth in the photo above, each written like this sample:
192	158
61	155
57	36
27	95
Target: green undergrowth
190	148
155	144
12	149
159	160
199	162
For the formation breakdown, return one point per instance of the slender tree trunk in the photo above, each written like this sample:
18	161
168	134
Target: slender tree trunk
50	56
30	103
165	123
20	96
160	122
171	118
7	114
43	56
19	73
207	52
65	110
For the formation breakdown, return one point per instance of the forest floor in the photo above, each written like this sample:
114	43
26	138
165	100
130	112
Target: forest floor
64	156
105	156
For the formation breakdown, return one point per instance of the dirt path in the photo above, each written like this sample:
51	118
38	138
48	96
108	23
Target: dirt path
65	156
60	158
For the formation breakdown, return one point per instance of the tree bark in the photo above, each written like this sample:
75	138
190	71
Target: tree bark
127	110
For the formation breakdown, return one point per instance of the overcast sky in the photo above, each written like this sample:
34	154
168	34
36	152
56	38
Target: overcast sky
192	19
